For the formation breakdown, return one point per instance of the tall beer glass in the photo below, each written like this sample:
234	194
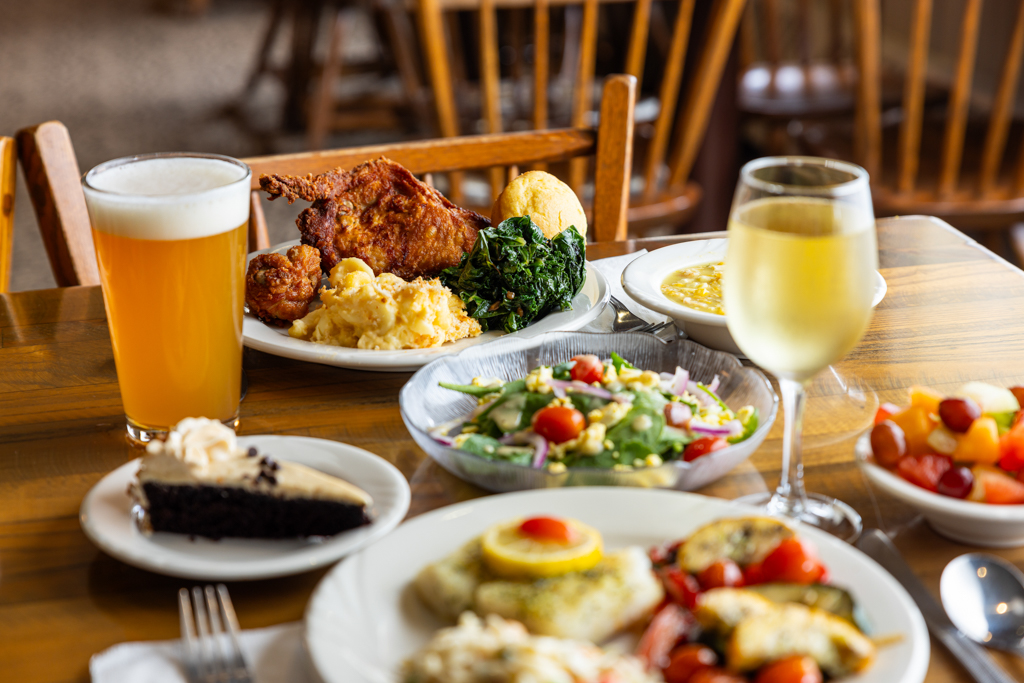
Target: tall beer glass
799	279
170	233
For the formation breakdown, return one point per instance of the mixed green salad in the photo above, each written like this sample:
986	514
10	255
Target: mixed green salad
592	413
514	274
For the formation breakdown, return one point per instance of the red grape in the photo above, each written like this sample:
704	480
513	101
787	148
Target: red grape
888	443
959	413
957	482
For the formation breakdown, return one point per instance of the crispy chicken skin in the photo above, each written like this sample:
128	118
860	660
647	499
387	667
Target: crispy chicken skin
379	212
279	288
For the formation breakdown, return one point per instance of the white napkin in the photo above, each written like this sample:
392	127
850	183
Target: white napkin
274	654
612	269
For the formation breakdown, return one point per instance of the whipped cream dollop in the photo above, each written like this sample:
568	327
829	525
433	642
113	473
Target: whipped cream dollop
199	442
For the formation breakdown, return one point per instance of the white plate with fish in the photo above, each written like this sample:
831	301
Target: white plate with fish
586	307
107	519
365	619
643	279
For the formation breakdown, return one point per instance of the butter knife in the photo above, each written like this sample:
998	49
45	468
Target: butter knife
973	657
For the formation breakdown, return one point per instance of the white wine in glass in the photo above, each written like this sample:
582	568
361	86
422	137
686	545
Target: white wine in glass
799	280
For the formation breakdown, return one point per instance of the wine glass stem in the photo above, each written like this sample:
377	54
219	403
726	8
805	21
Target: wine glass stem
791	494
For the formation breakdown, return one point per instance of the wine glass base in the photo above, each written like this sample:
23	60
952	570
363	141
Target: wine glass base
824	512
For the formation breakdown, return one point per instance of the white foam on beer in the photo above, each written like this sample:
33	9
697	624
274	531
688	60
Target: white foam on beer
168	199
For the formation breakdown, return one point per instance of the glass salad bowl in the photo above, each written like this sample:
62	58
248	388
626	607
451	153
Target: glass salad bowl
427	407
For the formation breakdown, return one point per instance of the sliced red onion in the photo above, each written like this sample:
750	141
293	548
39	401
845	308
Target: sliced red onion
540	449
714	384
445	441
481	408
678	414
735	427
580	388
510	439
698	427
680	381
666	376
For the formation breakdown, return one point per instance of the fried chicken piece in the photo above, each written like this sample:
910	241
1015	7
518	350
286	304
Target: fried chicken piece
380	213
279	288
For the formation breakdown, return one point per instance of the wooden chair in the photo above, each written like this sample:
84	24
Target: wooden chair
55	186
942	164
666	196
611	145
8	174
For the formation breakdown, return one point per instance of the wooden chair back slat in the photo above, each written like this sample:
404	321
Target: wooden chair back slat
667	97
913	96
611	145
259	237
1002	109
583	87
835	29
773	29
541	65
637	50
614	162
959	100
803	24
704	86
8	174
490	79
55	186
868	113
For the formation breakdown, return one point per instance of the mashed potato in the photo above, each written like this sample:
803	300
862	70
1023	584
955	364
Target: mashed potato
384	312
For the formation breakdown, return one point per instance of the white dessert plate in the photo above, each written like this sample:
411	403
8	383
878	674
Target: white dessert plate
364	618
106	518
275	340
643	277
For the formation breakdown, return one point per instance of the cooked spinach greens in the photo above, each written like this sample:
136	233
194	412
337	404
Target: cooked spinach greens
514	274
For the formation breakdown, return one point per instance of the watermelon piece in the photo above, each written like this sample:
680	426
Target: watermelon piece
924	470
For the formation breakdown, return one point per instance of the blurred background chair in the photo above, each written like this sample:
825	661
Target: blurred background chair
610	145
661	192
959	157
55	185
8	172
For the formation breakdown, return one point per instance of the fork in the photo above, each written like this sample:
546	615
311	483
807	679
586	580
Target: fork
211	655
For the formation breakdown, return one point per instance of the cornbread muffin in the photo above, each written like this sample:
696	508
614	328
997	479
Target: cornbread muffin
549	202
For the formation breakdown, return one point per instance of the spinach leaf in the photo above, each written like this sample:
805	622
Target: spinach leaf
514	274
511	412
563	371
618	362
481	445
472	389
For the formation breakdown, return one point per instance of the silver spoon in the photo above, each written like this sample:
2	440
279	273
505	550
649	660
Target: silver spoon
983	595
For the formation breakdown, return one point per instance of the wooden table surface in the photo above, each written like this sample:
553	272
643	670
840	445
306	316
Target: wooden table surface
953	312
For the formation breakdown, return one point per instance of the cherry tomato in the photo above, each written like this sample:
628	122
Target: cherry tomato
793	561
671	624
558	424
885	411
888	443
753	574
588	369
687	660
924	470
548	529
1011	449
721	574
959	413
713	674
682	588
665	553
703	446
794	669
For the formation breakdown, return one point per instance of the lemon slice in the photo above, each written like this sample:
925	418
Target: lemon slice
511	554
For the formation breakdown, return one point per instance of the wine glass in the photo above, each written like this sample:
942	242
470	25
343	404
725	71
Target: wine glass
798	285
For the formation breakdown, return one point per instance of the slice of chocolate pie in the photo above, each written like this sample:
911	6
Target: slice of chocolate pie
199	482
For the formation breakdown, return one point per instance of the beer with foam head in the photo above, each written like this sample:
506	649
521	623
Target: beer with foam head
170	234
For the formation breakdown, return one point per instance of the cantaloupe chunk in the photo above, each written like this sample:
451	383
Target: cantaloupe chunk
980	444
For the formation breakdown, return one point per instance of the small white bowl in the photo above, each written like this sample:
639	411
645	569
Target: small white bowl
964	521
643	277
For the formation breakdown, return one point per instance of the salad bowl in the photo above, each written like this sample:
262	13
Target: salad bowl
426	406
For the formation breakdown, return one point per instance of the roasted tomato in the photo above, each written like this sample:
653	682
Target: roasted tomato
713	674
795	669
588	369
721	574
670	625
682	588
687	660
548	529
559	424
703	446
793	561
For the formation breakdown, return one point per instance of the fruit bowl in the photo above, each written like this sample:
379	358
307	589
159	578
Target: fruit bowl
425	406
977	524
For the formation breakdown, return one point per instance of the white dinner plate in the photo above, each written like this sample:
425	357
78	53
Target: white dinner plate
275	340
643	277
364	618
106	518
